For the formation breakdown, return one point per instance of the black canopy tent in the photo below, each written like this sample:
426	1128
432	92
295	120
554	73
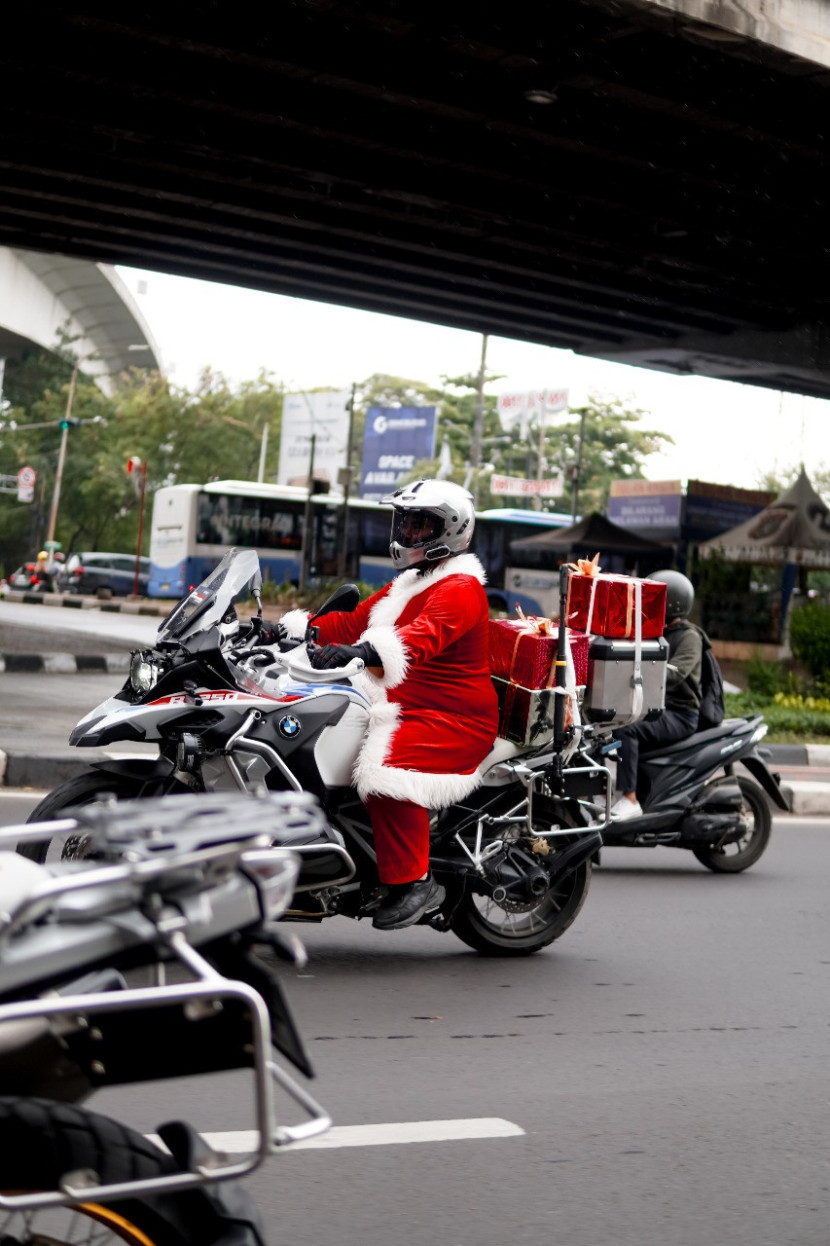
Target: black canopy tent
619	549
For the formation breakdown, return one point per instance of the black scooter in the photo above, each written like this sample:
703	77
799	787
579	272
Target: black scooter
692	798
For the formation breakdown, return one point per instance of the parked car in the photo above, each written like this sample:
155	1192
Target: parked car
98	573
31	578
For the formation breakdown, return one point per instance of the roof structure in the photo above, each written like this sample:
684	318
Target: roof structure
795	528
593	534
643	181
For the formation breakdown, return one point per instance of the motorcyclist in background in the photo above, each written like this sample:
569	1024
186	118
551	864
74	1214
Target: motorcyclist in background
680	716
434	715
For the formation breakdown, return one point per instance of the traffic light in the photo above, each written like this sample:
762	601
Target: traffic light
69	421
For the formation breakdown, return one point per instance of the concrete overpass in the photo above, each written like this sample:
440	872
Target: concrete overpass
44	295
638	180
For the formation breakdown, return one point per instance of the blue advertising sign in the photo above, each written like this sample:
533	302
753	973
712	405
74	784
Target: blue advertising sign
650	508
395	439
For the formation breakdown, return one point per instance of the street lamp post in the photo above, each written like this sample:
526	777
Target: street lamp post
66	423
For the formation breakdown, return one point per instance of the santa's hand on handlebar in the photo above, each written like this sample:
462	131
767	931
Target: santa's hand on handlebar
327	657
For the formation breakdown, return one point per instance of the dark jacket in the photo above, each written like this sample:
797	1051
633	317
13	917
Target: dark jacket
684	667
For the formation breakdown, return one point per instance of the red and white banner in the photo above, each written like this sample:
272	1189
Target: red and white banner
518	487
519	411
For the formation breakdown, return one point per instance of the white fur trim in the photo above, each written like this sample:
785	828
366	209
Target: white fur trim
409	584
393	654
295	622
373	777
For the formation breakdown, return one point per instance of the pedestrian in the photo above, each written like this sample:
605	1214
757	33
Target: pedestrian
680	716
434	712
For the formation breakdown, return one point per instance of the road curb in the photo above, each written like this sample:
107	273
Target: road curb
69	601
65	663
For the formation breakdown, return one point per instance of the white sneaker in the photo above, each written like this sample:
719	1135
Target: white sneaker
624	809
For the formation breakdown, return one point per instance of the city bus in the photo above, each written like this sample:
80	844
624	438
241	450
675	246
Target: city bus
193	526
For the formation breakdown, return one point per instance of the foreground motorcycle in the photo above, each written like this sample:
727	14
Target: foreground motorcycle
228	713
190	882
692	798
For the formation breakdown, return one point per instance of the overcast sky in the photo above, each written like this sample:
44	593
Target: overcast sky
723	432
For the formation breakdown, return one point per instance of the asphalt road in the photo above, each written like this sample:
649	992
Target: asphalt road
665	1062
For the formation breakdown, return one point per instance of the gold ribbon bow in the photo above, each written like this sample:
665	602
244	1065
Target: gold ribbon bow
585	566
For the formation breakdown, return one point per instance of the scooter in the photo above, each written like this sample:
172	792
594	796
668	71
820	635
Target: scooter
692	798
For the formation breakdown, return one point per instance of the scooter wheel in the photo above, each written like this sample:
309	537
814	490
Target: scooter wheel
735	857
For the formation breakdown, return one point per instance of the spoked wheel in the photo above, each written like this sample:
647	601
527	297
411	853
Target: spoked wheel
41	1142
519	928
755	825
83	789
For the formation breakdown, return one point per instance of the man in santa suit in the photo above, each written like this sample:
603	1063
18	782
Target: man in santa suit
434	715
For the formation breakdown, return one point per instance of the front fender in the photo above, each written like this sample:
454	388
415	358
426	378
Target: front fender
771	783
147	769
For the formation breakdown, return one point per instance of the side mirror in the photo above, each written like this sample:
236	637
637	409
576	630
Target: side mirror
345	598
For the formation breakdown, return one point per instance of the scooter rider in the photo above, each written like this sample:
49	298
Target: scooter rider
434	716
680	716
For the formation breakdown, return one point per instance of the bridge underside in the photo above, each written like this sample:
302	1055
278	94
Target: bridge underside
601	175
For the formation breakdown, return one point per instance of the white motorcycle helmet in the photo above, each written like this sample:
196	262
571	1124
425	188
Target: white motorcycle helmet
431	520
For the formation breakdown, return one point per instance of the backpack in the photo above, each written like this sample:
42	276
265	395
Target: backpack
712	709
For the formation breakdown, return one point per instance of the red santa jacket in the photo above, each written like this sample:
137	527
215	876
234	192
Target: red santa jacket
434	714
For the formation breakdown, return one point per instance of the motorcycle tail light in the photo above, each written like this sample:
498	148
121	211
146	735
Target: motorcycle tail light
274	870
759	733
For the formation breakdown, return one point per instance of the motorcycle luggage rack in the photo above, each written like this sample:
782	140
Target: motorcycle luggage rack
120	886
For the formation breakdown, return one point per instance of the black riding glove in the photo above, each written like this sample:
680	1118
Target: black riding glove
330	656
271	633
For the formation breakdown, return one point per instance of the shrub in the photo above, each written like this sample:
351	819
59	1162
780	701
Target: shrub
810	637
763	677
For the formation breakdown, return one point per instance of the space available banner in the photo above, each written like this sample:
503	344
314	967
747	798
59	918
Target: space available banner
323	415
395	439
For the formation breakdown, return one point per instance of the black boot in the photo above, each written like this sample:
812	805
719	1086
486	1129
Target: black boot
406	904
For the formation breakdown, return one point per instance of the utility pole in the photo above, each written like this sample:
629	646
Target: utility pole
305	552
577	471
342	553
478	421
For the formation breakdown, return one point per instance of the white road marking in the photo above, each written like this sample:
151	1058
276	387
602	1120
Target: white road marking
243	1141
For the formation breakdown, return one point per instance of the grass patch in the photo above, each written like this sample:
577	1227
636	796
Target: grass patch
791	719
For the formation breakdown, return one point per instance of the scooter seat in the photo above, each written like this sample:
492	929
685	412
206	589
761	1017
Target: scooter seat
696	739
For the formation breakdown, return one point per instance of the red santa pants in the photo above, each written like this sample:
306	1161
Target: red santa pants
401	832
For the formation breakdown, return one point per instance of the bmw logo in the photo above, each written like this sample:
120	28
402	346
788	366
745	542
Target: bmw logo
289	726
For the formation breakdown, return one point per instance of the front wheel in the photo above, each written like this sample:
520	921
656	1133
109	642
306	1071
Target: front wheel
512	928
83	789
41	1142
755	825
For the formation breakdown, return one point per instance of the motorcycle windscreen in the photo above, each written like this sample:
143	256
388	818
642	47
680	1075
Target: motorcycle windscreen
208	603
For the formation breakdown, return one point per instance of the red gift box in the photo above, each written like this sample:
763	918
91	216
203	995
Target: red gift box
525	714
520	653
609	605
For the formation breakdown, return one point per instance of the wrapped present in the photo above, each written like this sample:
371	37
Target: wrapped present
614	606
524	651
525	714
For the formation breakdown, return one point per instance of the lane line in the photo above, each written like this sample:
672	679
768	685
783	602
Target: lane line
243	1141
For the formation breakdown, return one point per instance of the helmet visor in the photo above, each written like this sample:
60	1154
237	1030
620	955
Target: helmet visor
412	528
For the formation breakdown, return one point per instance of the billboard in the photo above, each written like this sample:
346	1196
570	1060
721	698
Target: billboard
394	440
651	508
323	415
712	509
519	487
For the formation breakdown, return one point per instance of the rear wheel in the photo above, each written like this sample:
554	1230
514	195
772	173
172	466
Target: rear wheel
519	928
755	826
83	789
42	1142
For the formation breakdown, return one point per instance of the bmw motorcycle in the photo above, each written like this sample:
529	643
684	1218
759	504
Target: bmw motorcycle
692	796
227	712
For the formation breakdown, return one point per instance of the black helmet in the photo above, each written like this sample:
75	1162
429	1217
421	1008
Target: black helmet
680	595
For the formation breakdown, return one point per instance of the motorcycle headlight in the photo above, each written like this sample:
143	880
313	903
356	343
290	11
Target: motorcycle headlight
144	672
